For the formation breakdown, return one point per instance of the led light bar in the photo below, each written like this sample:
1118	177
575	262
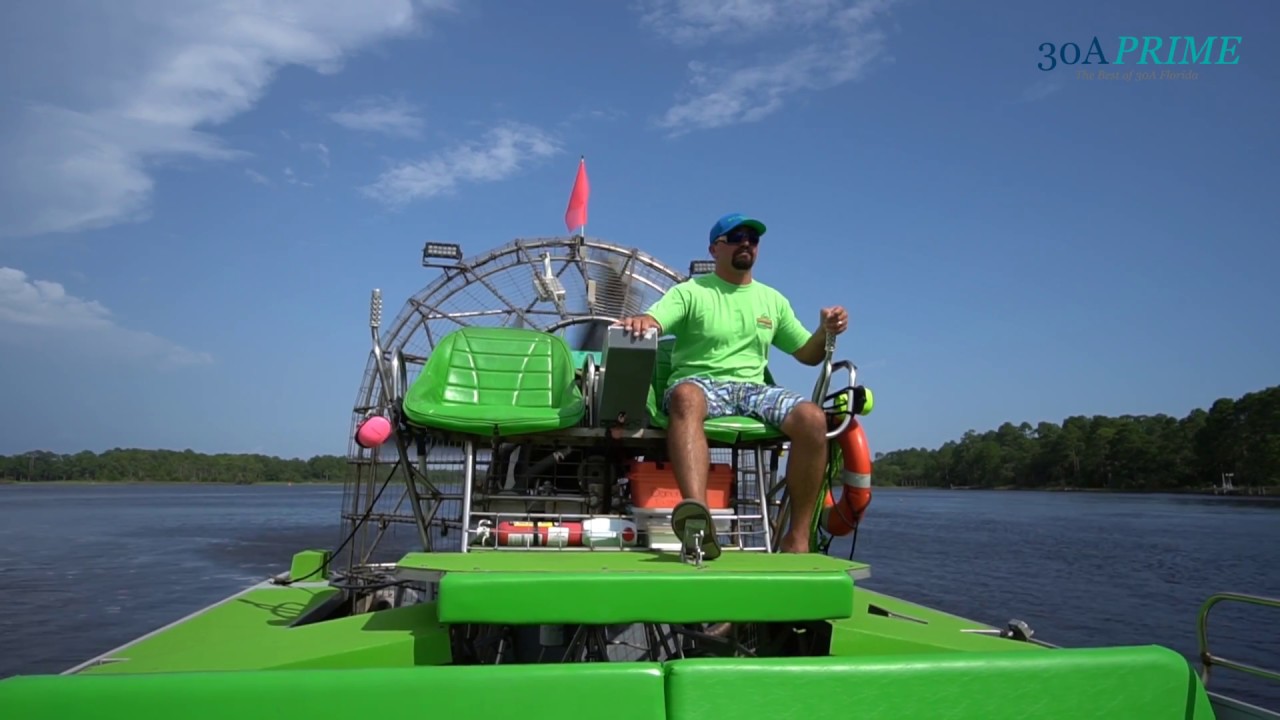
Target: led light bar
442	251
702	267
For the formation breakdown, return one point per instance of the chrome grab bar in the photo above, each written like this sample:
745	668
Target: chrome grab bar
1207	658
823	384
848	399
824	375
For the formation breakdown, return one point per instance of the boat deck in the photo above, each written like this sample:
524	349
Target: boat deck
257	630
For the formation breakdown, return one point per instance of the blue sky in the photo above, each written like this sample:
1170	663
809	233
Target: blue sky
197	198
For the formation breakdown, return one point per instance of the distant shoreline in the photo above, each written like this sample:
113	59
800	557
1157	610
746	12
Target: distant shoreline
1256	493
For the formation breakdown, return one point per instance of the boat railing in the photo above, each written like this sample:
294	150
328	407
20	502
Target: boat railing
1207	658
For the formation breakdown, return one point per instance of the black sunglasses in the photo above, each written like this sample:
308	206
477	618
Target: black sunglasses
738	237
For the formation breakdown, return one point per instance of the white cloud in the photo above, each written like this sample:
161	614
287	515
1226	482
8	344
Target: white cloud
256	176
79	148
389	116
694	22
69	170
813	45
502	152
40	309
319	149
1039	90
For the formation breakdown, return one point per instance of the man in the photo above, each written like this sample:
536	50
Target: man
724	323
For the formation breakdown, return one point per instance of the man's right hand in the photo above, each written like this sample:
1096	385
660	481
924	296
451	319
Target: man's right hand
638	325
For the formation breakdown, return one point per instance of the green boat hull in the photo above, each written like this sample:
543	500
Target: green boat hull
277	651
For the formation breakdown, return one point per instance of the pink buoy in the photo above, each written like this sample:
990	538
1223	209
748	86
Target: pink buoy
373	432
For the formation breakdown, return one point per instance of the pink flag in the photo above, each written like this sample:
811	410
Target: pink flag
575	217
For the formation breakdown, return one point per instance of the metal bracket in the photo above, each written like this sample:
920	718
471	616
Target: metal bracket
697	554
1018	630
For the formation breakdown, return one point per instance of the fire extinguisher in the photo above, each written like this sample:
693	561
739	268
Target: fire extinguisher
539	534
596	532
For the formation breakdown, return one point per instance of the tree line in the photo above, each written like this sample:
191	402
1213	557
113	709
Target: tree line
137	465
1237	438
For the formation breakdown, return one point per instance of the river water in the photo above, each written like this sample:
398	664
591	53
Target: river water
85	568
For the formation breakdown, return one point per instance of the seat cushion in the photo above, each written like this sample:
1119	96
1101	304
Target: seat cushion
491	419
726	430
1134	683
504	381
522	587
743	429
630	691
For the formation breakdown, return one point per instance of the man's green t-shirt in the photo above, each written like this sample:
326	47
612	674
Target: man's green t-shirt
723	331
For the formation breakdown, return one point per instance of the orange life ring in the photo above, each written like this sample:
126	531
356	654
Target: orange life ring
856	480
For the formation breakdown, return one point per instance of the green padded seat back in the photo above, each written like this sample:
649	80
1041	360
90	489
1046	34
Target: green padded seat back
661	373
728	430
629	691
506	381
1133	683
607	588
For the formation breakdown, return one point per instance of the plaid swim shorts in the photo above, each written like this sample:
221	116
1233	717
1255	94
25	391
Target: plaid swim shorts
767	403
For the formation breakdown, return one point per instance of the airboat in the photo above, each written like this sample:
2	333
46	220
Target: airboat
506	549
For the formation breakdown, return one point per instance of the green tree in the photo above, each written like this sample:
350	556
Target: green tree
136	465
1130	452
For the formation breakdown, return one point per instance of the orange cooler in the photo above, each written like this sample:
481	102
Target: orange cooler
653	485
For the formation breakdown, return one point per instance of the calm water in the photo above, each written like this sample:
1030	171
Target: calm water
86	568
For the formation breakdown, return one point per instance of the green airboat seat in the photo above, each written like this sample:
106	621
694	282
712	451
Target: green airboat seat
503	381
727	430
525	587
1129	683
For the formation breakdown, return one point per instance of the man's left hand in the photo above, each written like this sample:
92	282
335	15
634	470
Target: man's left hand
835	320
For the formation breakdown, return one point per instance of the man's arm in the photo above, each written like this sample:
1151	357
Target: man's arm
814	350
793	338
665	314
670	309
810	350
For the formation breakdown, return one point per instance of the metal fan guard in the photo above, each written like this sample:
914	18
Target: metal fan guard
506	287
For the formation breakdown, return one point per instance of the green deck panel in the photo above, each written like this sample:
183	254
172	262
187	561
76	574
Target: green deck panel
1124	683
915	629
531	587
251	631
504	381
726	430
624	691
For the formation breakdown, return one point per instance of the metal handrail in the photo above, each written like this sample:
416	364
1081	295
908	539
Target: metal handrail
848	397
589	373
1207	658
825	372
828	369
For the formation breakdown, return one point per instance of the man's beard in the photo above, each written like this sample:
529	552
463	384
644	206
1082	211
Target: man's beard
743	261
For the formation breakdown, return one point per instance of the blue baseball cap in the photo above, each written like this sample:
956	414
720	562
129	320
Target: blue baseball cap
733	220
